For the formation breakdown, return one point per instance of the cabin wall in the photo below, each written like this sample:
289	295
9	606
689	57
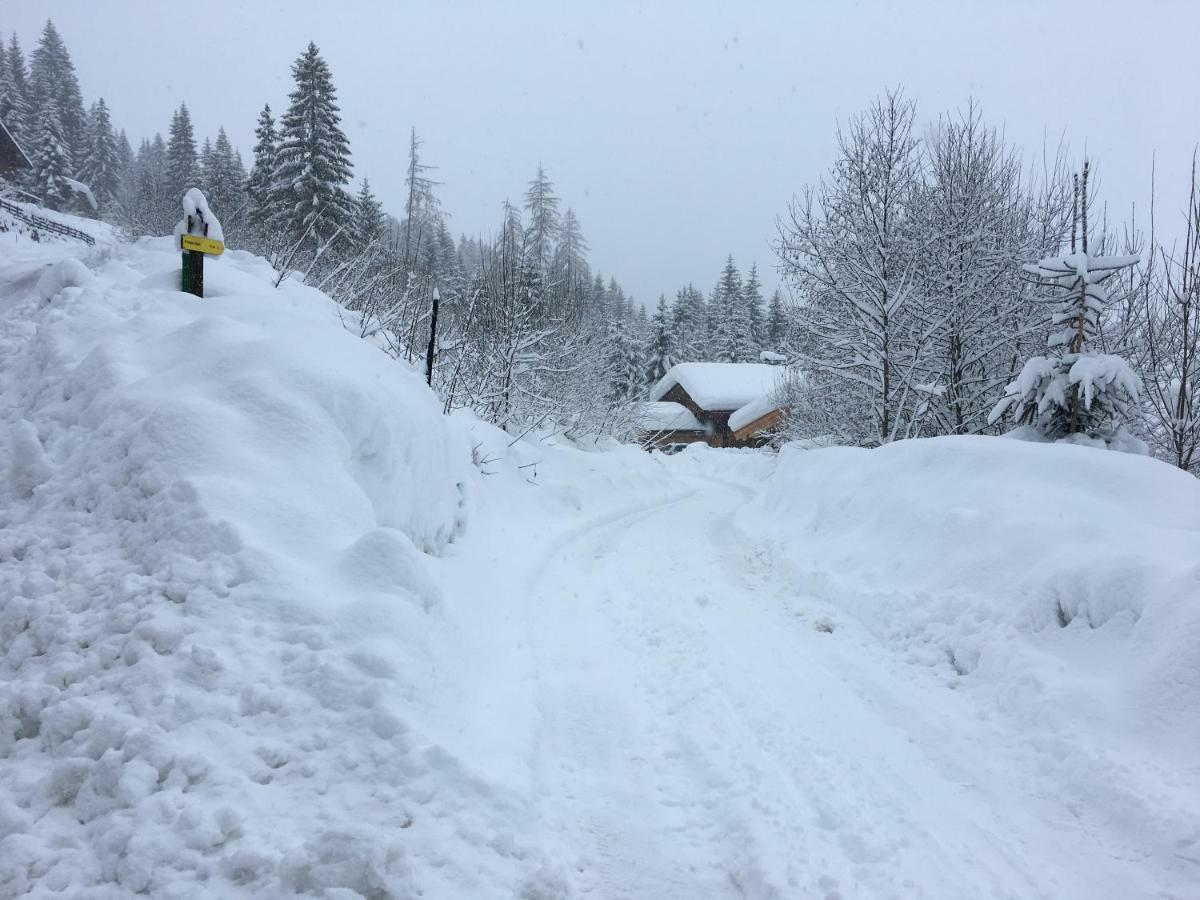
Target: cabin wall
720	434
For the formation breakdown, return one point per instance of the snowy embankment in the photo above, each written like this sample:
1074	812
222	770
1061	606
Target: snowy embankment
1057	586
223	650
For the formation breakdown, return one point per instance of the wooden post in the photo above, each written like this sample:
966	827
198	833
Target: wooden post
432	338
192	275
197	272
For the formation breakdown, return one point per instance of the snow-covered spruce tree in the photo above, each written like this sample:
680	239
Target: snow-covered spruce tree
52	78
544	225
14	89
622	358
366	227
421	212
756	315
689	316
314	158
776	326
660	347
224	180
1074	391
263	210
731	339
848	248
182	166
51	159
154	208
102	164
14	106
570	268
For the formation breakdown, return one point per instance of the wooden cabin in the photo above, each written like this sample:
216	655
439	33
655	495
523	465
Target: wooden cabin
722	404
12	157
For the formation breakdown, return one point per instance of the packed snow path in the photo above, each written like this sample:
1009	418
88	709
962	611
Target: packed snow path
703	732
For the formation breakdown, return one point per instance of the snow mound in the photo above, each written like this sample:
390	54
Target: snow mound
218	626
59	276
1060	583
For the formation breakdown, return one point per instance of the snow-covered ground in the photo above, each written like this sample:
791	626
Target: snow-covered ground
271	626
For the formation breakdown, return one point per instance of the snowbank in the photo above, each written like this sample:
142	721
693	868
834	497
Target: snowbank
1060	584
220	632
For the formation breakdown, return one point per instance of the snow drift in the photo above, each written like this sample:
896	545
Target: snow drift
1058	583
218	621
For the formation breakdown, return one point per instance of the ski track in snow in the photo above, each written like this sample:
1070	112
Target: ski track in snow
700	736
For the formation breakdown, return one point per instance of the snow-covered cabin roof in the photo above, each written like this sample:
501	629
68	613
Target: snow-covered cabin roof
755	409
720	386
664	416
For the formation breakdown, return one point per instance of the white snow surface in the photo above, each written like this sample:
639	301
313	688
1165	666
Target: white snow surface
720	386
271	626
667	416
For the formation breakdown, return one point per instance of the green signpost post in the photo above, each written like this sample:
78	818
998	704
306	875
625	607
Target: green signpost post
195	244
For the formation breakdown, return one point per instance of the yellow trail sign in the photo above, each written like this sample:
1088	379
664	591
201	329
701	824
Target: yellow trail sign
201	244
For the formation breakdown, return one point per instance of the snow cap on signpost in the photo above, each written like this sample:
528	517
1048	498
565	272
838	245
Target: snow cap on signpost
198	233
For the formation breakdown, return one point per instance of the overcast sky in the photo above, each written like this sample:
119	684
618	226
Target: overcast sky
677	131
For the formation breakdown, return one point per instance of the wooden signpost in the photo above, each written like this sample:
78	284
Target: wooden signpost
195	244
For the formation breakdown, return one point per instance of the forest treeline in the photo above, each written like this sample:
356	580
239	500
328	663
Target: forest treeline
910	299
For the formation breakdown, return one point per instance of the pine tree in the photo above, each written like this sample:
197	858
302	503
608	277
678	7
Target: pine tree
154	209
367	225
756	316
689	316
420	208
261	183
314	156
51	159
661	344
777	322
15	109
102	166
570	264
224	178
1076	390
541	203
622	362
52	78
731	341
182	166
204	165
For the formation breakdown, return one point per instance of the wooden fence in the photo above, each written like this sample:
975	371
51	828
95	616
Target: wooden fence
43	224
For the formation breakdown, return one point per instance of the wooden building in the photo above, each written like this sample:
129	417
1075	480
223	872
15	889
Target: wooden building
12	157
722	404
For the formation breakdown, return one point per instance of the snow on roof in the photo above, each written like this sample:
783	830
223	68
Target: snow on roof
82	189
665	416
720	386
755	409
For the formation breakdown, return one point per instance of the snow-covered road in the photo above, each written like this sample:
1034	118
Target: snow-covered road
271	625
701	731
